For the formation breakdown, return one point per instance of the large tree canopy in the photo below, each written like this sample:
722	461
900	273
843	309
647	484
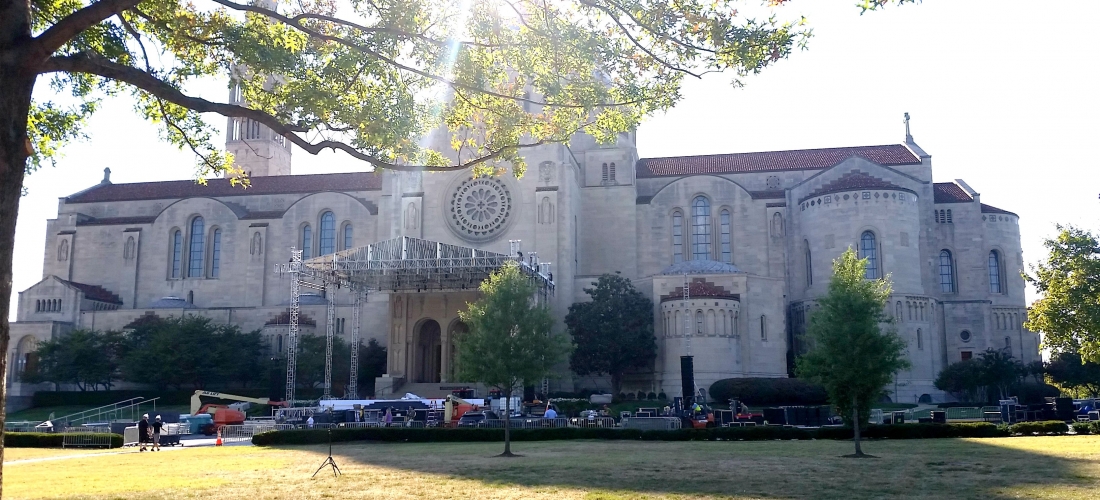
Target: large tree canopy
613	332
1068	314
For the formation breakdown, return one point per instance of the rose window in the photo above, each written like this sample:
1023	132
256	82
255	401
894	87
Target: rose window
479	208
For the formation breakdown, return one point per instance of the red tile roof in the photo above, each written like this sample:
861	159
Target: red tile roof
949	192
281	184
987	209
95	292
700	288
769	161
854	180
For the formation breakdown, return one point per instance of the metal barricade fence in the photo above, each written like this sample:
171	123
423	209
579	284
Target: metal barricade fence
593	422
86	436
652	423
238	433
130	436
358	425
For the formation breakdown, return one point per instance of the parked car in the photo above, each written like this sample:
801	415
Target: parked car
475	418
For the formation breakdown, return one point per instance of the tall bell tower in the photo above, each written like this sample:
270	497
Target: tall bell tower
256	149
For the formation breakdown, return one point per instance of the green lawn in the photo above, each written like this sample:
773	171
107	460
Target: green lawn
1034	467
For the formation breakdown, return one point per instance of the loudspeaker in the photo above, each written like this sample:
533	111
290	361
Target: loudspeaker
1064	408
939	417
687	380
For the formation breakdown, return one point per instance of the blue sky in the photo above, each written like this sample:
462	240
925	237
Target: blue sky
1003	94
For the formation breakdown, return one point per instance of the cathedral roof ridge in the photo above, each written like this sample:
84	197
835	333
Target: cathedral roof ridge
94	292
949	192
769	161
261	185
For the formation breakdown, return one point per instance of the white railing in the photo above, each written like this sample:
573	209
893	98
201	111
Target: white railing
86	436
652	423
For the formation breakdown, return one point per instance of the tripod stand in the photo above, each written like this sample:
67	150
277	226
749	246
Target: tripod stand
329	461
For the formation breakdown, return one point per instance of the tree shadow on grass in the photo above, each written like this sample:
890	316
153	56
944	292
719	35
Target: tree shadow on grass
1051	467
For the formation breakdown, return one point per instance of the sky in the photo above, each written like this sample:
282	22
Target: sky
1002	94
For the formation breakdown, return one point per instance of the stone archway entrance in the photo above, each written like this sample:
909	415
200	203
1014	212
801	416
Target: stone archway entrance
456	329
429	352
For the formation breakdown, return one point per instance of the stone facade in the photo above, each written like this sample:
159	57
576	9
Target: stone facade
751	236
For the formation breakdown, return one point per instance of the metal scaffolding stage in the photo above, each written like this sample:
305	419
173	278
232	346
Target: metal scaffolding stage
398	265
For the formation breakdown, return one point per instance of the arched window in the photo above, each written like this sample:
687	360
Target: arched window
348	240
1008	345
700	228
677	237
177	252
128	250
949	217
763	327
216	253
868	249
809	265
947	272
994	272
280	341
699	328
195	250
605	174
920	340
307	242
724	223
898	312
328	233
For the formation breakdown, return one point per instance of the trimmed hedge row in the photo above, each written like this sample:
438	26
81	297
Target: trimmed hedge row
1085	428
759	433
45	440
1056	427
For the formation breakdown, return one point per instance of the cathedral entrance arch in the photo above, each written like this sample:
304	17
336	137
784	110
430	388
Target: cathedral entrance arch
429	352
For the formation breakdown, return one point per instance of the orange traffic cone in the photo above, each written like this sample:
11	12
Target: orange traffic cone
219	441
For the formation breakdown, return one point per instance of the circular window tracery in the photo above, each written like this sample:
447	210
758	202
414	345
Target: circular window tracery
480	208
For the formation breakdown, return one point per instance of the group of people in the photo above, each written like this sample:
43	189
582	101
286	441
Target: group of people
149	433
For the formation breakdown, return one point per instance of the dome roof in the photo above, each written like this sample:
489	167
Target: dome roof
701	267
171	303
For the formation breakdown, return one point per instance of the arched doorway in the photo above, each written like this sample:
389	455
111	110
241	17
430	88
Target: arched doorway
429	353
25	356
457	329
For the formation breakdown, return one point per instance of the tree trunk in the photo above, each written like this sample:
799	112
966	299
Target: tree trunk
855	427
507	425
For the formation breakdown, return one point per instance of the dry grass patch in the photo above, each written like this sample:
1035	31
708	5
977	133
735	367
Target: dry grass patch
1036	467
17	454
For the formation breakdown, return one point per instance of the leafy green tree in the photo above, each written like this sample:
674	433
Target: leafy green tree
962	380
373	362
192	351
613	332
509	339
850	352
1068	313
1000	372
311	361
1071	374
81	358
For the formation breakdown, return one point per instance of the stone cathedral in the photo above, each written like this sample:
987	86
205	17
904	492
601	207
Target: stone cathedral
751	236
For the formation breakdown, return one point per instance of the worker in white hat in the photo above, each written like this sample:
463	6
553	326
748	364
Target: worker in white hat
156	426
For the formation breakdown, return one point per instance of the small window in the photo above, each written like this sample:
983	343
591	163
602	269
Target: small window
763	327
809	266
967	355
216	253
605	174
699	328
994	272
868	249
947	272
677	237
177	252
920	340
1008	345
964	335
611	172
307	242
348	240
949	216
724	222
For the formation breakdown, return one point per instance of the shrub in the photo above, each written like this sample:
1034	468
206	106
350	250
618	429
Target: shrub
1048	427
768	391
44	440
662	396
651	396
1082	428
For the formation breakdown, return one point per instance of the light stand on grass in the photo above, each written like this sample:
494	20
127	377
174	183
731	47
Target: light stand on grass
329	461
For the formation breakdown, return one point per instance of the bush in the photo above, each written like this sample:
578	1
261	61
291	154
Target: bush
1082	428
44	440
1031	393
768	391
651	396
1056	427
662	396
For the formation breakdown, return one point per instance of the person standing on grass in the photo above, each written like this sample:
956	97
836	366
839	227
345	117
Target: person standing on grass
309	422
143	431
389	417
156	427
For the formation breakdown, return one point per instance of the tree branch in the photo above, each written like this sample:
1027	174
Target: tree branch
96	65
66	29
